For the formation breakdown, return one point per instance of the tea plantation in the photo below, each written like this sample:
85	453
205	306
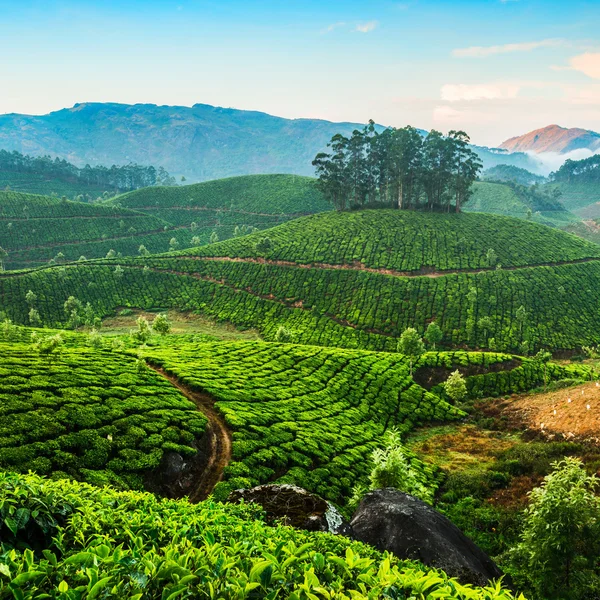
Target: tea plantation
70	540
90	415
311	416
545	295
248	197
34	229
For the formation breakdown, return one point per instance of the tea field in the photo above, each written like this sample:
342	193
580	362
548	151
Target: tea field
532	301
68	539
90	415
150	217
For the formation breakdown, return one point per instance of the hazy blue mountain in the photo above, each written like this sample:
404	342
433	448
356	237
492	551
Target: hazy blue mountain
202	142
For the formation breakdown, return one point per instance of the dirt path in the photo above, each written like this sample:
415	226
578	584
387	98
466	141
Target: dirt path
430	272
220	441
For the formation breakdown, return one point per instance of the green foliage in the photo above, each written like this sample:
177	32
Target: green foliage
305	415
396	467
90	415
143	332
71	229
558	554
455	386
397	167
411	345
283	335
207	550
47	345
433	334
161	324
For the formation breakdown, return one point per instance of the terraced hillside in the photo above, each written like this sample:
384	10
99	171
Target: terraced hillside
151	217
90	415
357	280
253	200
35	229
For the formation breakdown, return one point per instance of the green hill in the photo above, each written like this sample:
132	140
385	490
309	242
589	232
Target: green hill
96	542
34	229
35	183
188	214
252	199
357	280
582	198
523	202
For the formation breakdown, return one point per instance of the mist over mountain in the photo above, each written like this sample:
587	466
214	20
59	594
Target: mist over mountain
201	142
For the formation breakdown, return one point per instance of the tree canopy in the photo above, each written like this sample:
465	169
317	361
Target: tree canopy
398	167
118	178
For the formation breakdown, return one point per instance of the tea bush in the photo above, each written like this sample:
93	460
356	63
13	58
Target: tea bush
131	545
90	415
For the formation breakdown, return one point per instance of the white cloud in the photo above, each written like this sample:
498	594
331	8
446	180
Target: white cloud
484	51
366	27
587	63
480	91
334	26
451	117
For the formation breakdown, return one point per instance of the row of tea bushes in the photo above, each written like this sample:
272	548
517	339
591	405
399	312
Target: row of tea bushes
90	415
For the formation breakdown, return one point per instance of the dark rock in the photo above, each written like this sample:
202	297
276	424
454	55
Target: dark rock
177	476
404	525
294	506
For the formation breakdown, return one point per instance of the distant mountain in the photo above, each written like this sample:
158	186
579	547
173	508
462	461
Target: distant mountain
554	139
202	142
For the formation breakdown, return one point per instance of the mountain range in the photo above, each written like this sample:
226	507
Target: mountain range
554	138
201	142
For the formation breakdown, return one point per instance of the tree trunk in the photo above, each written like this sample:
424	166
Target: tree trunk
400	196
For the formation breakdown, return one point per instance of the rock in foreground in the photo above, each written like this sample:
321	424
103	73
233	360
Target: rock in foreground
294	506
404	525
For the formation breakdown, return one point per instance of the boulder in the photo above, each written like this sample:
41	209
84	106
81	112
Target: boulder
294	506
404	525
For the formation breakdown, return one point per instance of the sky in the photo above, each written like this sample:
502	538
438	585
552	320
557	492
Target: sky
494	68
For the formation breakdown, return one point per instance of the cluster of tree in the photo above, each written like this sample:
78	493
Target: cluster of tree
118	178
398	167
586	171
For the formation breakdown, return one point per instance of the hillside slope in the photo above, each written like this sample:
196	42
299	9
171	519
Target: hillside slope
35	229
553	138
521	201
357	280
151	217
251	199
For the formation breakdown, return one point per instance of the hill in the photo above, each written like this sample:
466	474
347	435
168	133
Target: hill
512	174
357	280
201	142
253	200
35	229
521	201
54	177
553	138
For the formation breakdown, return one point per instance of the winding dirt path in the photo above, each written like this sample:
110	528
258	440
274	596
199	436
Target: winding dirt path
220	441
430	272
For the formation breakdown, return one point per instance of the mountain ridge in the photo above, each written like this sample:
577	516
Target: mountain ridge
554	138
202	142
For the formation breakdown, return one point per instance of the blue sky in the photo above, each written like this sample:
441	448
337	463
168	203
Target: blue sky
494	68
